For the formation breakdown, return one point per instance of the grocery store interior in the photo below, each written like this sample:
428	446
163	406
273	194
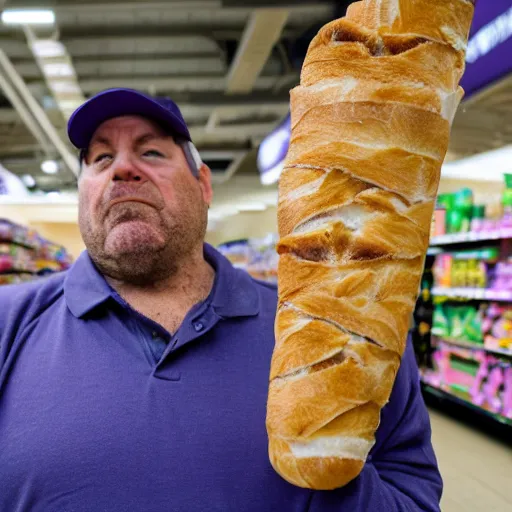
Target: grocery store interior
230	66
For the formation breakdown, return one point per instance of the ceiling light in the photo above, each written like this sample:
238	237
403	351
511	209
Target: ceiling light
56	69
50	167
70	104
252	207
46	48
28	180
65	87
54	194
28	17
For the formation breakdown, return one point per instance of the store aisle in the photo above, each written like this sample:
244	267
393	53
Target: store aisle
476	468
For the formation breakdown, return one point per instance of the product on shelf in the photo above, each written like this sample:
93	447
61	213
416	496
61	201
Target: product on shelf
24	254
474	376
458	210
497	326
506	221
257	256
438	227
502	276
16	258
467	269
458	322
14	233
507	392
457	213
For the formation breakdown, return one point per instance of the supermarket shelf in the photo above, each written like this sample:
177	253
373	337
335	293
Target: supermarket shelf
475	346
460	238
446	395
473	293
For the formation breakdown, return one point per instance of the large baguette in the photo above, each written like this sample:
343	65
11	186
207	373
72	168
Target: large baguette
370	129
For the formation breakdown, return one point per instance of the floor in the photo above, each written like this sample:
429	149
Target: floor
476	466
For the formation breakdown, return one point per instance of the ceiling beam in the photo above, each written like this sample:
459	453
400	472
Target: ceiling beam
72	6
132	65
135	45
194	113
166	84
290	4
37	114
261	33
58	70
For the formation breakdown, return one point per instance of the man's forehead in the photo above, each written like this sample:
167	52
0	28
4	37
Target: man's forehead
135	126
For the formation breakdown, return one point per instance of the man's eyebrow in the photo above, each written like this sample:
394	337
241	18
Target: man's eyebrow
148	137
100	140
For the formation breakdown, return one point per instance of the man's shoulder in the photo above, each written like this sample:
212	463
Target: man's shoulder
265	288
267	292
30	296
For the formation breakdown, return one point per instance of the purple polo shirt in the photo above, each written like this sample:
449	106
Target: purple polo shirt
103	410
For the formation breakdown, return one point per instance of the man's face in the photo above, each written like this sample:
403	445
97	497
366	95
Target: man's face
141	210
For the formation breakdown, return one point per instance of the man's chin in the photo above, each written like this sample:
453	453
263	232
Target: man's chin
133	237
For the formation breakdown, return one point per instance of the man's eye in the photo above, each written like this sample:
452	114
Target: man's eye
153	152
102	157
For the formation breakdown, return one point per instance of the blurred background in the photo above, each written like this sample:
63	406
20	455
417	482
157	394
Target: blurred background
230	65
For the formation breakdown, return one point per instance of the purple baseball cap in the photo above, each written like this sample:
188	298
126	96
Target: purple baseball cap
123	102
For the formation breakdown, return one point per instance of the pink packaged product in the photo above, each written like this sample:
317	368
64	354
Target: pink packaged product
15	258
14	233
507	392
502	279
493	396
497	326
486	379
492	388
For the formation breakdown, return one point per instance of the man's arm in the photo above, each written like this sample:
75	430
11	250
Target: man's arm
401	473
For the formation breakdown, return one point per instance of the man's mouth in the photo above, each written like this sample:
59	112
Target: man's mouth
129	199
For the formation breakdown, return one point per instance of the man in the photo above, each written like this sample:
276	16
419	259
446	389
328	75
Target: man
137	381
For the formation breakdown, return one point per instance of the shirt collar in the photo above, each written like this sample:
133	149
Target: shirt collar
234	292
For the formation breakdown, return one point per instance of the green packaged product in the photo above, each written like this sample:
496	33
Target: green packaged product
472	325
456	321
440	325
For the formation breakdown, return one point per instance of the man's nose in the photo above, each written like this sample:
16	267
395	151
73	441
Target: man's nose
126	170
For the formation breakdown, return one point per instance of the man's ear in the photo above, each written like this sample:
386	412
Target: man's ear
205	182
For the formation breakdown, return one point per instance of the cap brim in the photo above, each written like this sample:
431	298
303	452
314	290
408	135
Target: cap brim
115	103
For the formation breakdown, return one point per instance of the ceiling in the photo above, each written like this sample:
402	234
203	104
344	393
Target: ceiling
228	66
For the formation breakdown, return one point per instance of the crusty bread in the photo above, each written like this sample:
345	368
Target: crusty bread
370	129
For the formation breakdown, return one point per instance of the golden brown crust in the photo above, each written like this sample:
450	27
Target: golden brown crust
370	129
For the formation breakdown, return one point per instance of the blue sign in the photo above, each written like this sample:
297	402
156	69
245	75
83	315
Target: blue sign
489	54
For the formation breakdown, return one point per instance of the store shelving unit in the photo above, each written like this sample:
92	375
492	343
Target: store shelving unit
444	394
473	293
431	383
461	238
474	346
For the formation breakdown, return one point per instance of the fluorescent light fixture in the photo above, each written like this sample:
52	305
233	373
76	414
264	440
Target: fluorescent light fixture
50	167
272	175
488	166
57	69
70	104
252	206
46	49
226	210
28	17
28	180
64	87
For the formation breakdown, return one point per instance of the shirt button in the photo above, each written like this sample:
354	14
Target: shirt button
198	326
